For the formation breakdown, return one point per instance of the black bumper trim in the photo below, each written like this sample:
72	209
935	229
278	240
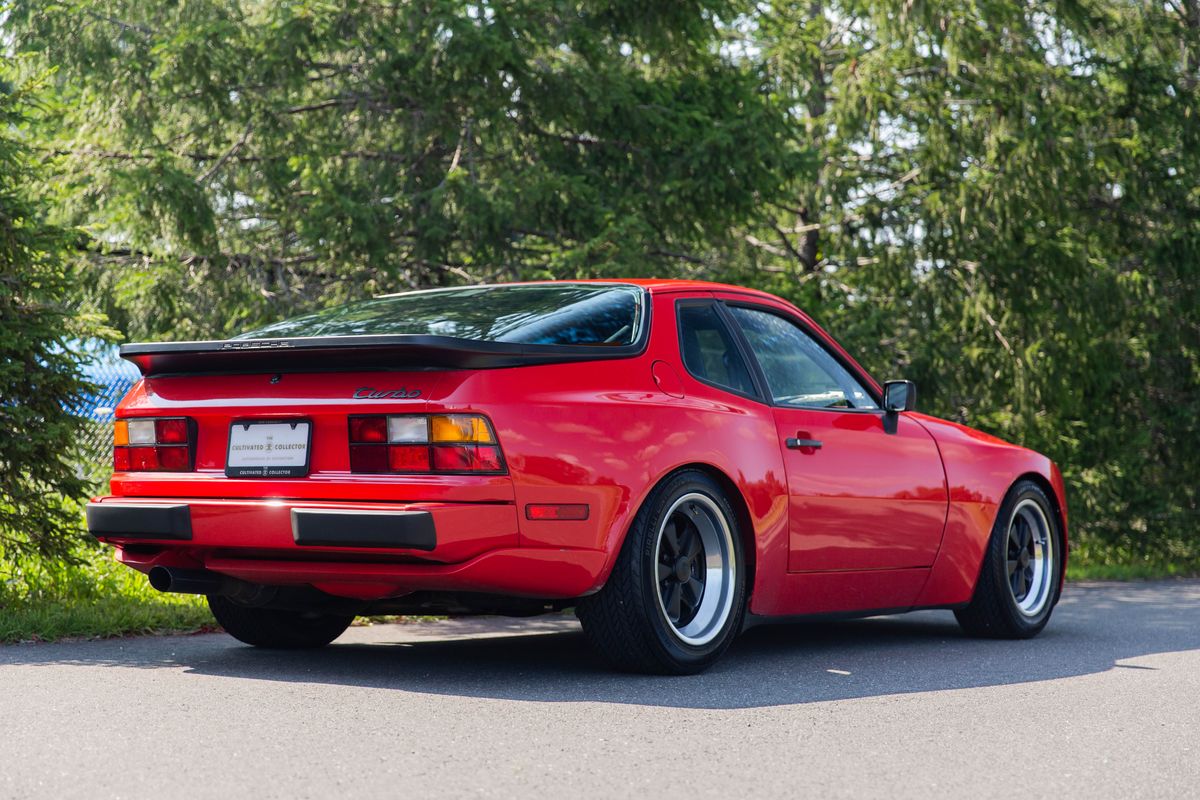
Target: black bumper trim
141	520
322	527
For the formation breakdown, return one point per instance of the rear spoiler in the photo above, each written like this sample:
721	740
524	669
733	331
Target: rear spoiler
345	353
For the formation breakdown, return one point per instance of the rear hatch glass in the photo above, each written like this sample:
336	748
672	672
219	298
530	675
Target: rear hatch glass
532	314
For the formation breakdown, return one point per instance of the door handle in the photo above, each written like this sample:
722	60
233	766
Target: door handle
798	444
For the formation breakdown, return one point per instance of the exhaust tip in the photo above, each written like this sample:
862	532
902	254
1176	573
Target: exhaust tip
160	578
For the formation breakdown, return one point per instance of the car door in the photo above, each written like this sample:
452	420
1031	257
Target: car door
866	491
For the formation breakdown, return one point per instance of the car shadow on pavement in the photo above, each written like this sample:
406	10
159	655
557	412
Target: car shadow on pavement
1095	629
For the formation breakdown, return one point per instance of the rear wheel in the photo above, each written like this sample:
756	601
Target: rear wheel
277	628
676	597
1018	583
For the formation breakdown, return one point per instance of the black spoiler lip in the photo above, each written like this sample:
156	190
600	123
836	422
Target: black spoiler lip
347	353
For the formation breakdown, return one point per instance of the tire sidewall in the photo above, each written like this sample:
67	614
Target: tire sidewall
998	557
644	537
277	628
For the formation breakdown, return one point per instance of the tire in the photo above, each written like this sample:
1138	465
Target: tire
277	628
677	595
1020	577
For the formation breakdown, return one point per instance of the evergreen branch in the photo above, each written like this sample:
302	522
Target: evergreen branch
94	249
134	27
678	256
584	139
227	157
220	162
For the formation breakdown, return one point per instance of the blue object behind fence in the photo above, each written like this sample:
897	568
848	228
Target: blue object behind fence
112	377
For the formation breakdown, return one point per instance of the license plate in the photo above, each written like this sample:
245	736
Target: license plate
268	449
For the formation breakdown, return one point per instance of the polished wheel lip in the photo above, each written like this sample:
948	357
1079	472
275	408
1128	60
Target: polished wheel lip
715	603
1029	554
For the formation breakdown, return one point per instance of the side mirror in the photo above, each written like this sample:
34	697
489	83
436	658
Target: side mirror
899	396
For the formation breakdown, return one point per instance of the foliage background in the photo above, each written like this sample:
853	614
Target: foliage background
996	198
39	373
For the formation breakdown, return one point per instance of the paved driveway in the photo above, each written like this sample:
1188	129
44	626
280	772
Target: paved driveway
1106	703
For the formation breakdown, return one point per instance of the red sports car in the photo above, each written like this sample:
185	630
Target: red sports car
672	459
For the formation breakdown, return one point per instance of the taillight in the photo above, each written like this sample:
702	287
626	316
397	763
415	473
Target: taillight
161	444
453	443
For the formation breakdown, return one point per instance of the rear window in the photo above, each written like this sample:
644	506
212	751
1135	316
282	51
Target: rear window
544	314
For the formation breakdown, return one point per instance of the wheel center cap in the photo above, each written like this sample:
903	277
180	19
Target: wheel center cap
683	570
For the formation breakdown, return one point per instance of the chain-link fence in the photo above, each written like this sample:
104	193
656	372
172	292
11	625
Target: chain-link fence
112	377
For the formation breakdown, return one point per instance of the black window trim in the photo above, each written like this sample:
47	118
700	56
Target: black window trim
739	342
760	377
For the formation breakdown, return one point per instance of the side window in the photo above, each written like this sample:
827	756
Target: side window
709	351
799	371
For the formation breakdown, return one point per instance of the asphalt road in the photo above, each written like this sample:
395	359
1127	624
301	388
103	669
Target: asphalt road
1106	703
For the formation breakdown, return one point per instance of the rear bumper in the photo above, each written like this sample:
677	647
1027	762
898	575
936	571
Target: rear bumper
363	550
392	529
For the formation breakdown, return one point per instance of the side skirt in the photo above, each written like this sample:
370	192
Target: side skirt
755	620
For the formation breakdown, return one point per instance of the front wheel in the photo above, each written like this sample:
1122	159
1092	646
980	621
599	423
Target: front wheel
676	596
277	628
1022	568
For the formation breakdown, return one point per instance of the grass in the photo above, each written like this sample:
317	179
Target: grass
1128	572
95	599
103	618
98	599
1093	559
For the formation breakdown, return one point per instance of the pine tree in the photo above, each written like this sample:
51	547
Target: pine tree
40	378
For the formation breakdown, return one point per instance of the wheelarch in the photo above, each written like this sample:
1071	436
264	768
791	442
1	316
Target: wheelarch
736	499
1046	486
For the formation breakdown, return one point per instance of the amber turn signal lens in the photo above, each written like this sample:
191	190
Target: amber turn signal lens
467	428
120	432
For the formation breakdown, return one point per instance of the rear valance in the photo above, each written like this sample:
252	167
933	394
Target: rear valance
329	353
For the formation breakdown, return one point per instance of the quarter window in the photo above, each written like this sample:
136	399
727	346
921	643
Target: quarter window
709	350
799	371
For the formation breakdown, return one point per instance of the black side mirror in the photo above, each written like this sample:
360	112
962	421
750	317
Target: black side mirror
899	396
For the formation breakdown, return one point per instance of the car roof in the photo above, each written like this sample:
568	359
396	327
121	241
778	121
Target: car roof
672	285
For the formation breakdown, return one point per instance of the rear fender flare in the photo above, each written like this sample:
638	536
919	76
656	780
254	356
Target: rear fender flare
741	509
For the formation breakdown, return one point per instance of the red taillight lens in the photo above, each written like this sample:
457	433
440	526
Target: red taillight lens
408	443
373	430
487	459
153	445
368	458
466	458
143	458
174	459
452	458
408	458
171	431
